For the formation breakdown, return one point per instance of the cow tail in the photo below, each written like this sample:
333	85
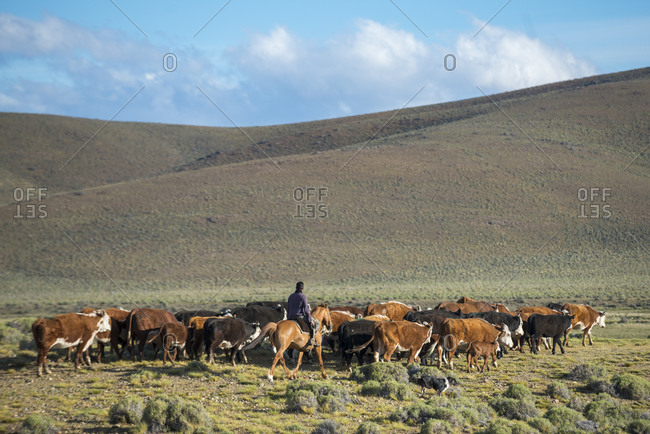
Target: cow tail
358	348
128	332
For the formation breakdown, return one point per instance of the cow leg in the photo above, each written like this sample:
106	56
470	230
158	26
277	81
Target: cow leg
243	353
469	363
87	356
555	340
566	336
451	354
439	356
390	349
559	342
486	364
100	352
41	361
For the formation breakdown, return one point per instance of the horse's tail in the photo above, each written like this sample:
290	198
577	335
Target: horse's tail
267	330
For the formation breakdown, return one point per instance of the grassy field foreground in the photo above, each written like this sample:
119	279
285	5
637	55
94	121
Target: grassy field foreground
240	399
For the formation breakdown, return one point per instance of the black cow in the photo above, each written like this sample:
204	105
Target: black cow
273	304
184	316
228	333
260	314
548	326
353	334
514	323
555	306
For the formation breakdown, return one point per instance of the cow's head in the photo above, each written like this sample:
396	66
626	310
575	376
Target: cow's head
519	331
601	319
505	337
104	324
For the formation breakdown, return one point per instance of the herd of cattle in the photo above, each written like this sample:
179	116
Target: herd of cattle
481	329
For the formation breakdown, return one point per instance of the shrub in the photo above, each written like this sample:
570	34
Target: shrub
304	401
380	372
368	428
162	414
388	389
601	386
586	372
329	426
511	408
542	425
558	390
36	424
576	403
330	404
505	426
127	410
631	386
563	418
420	413
587	425
433	426
518	391
371	387
639	426
601	410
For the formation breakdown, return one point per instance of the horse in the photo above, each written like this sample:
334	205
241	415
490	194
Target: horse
287	334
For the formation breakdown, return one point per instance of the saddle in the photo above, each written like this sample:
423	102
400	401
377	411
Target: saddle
302	324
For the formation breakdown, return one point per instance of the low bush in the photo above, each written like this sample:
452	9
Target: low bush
388	389
517	391
421	413
434	426
368	428
586	372
380	372
631	386
587	425
576	403
505	426
127	410
37	424
515	408
601	386
163	414
542	425
306	396
639	426
329	426
558	390
563	418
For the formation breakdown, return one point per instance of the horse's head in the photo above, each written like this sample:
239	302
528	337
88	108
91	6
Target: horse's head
322	314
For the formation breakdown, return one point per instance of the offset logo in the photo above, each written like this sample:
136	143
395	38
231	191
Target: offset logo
310	202
26	208
593	202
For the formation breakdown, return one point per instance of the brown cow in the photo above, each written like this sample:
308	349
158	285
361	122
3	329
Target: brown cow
172	335
467	307
395	310
338	318
391	336
65	331
352	309
376	318
481	349
140	322
457	334
585	318
195	342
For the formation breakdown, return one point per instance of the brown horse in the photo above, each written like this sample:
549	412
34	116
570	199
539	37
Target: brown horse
287	334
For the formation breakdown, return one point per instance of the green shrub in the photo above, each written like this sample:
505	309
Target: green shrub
388	389
163	414
371	388
587	425
518	391
558	390
303	401
368	428
576	403
505	426
473	411
330	403
631	386
420	413
515	408
639	426
586	372
434	426
127	410
601	386
563	418
329	426
542	425
601	411
381	372
37	424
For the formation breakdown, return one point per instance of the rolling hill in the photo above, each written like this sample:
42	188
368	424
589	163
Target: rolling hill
483	196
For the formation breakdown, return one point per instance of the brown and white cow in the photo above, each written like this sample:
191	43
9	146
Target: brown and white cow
585	318
395	310
338	318
458	334
376	318
470	306
481	349
142	321
391	336
356	311
111	338
67	330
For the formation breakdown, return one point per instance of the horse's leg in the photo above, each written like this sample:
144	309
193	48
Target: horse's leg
280	348
319	354
294	375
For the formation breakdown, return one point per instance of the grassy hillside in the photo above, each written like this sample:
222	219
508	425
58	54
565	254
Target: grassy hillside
449	199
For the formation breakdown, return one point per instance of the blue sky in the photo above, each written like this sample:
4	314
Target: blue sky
267	62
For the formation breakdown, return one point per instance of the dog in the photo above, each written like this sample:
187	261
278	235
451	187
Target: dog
439	384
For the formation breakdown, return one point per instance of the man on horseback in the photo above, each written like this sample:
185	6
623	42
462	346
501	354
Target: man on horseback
298	309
